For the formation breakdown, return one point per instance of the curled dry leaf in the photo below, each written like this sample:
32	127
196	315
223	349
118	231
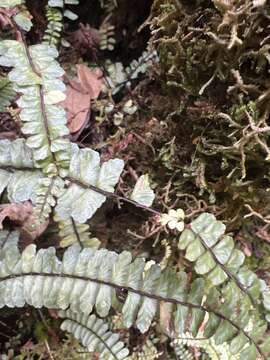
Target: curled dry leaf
22	214
79	93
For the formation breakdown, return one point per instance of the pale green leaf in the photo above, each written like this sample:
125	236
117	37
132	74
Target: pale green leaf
142	193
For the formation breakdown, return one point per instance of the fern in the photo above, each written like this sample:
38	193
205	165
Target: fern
181	351
94	334
229	302
17	173
79	201
107	37
61	4
71	232
22	16
121	76
36	75
148	351
208	346
7	94
55	26
92	278
55	12
216	257
23	181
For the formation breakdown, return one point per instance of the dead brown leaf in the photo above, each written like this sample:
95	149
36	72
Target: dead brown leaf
22	214
15	212
79	93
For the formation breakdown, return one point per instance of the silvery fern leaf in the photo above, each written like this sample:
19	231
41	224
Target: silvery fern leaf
142	192
35	75
91	279
17	172
79	201
216	256
94	334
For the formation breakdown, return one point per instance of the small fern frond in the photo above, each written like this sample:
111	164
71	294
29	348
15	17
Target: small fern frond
79	201
94	334
61	4
208	346
107	35
147	352
120	77
216	257
7	94
55	26
88	278
181	351
17	172
141	65
72	232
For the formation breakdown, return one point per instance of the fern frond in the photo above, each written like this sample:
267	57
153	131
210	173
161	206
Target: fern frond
208	346
72	232
79	201
55	26
181	351
89	278
61	4
148	352
141	65
36	75
216	257
121	77
94	334
107	34
17	172
7	94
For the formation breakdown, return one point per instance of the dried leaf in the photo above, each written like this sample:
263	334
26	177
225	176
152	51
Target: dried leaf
79	94
22	214
15	212
91	80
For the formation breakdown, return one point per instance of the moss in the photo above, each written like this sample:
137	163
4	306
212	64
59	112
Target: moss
214	56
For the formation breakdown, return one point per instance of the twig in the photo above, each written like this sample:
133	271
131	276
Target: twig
256	214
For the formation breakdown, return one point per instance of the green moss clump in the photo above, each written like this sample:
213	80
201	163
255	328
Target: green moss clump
215	58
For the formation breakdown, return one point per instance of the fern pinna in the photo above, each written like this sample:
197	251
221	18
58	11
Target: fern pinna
224	300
